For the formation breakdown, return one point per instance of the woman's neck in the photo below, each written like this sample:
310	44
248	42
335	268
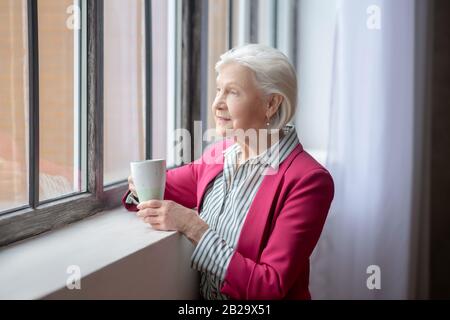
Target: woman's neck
251	150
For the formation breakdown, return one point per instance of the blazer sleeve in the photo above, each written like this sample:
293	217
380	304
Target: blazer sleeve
290	244
181	187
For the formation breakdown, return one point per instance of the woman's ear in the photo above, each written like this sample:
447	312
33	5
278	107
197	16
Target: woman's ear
275	101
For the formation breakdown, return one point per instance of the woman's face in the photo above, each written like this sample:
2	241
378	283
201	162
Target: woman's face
238	103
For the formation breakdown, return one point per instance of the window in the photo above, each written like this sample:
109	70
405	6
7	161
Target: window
13	104
86	88
73	108
218	43
124	87
315	39
161	39
167	57
60	171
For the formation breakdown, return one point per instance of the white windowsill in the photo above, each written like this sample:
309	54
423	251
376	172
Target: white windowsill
37	267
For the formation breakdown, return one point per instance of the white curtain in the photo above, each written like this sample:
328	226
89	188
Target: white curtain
370	154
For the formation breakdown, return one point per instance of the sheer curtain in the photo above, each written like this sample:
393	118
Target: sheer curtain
370	153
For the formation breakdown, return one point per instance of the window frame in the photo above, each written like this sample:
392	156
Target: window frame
39	217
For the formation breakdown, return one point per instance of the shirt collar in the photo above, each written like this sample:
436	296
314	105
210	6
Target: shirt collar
270	157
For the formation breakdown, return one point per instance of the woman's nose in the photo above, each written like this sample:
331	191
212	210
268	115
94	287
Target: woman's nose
219	103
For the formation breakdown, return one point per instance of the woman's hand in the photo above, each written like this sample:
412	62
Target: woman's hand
170	216
132	187
165	215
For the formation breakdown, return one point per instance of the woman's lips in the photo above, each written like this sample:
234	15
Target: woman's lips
220	119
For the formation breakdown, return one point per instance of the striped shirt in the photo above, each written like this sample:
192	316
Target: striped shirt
226	203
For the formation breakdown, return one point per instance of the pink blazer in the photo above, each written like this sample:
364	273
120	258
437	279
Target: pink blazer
282	227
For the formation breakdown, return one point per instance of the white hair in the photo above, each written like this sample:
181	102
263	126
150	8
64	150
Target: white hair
273	72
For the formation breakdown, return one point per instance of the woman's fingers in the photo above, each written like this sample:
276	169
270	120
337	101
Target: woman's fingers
131	187
150	204
132	190
152	220
151	217
147	213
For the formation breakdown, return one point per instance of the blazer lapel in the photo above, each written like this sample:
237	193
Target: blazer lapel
252	232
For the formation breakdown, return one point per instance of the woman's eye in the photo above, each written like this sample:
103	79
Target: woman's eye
233	92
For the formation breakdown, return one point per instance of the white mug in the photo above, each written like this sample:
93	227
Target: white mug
149	178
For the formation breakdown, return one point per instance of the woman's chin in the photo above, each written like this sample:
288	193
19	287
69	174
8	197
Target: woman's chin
222	130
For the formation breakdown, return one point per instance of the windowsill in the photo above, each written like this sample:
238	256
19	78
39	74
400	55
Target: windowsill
37	267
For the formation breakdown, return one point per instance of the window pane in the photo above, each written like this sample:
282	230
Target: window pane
162	103
286	27
59	99
240	22
124	94
217	45
173	30
13	104
266	22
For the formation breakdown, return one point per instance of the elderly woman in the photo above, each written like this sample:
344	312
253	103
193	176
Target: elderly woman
260	212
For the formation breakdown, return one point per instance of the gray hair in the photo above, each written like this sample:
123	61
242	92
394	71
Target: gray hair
274	73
